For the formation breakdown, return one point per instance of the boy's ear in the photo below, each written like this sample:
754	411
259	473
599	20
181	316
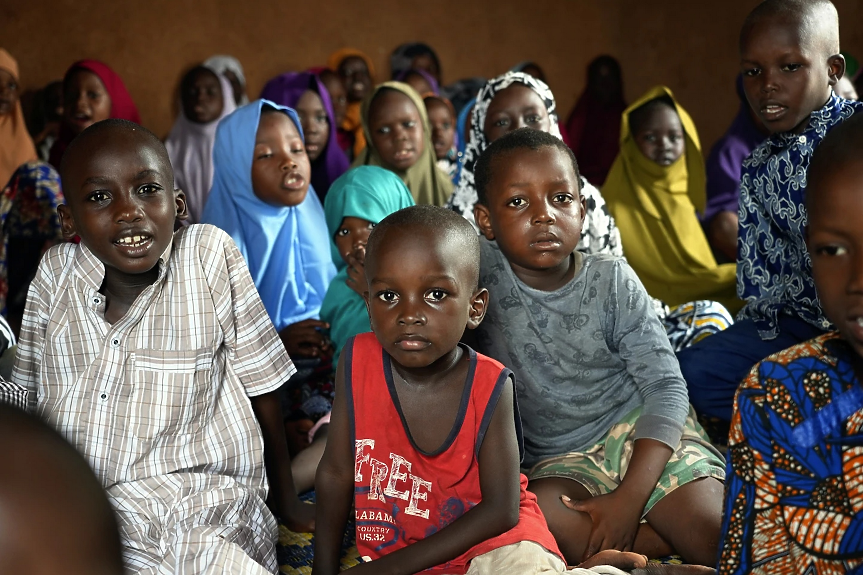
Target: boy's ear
483	220
478	307
182	206
836	68
67	224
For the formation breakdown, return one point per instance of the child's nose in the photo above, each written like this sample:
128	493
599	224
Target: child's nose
127	209
410	313
855	277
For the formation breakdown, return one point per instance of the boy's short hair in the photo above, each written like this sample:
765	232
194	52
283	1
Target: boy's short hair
523	138
842	145
111	125
447	225
815	17
639	116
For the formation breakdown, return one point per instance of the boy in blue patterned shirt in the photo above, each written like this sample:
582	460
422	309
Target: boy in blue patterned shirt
790	63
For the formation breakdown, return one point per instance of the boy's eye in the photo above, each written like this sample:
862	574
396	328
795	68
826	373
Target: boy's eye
436	294
92	95
149	189
790	67
563	198
751	72
264	155
384	130
388	296
649	138
342	232
517	202
446	126
831	251
409	124
502	122
532	119
298	150
98	197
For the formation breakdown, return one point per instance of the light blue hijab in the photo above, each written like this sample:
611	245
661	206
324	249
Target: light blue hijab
287	249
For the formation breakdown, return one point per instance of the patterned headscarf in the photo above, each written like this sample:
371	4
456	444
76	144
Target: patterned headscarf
599	233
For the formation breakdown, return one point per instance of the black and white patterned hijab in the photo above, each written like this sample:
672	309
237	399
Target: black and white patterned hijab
599	233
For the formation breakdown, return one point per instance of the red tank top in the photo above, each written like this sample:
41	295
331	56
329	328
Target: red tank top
403	494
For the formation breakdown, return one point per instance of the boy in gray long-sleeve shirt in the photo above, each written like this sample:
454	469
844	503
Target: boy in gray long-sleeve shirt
609	433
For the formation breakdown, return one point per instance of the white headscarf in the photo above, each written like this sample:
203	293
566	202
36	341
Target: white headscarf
222	64
190	149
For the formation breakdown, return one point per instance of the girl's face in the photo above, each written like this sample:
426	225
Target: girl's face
416	81
86	101
280	167
515	107
352	236
202	97
442	126
396	130
356	77
316	124
660	137
336	89
8	92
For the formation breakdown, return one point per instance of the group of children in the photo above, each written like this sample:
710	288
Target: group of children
489	385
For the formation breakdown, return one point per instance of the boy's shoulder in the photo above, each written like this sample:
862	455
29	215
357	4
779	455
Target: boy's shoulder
204	243
828	347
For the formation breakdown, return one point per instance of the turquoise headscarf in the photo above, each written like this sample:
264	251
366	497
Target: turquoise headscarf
370	193
285	248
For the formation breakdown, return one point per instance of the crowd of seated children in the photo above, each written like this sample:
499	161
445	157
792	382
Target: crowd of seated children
654	189
206	97
307	94
194	366
398	138
357	202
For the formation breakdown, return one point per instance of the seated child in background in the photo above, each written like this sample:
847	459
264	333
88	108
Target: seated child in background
425	440
305	92
336	89
262	198
790	61
399	139
152	354
442	119
420	80
357	202
792	504
653	191
205	98
55	515
92	92
607	426
356	72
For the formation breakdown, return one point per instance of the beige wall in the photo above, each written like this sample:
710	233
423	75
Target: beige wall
691	46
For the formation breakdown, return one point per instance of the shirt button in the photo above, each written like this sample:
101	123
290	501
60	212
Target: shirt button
104	396
115	342
802	139
97	300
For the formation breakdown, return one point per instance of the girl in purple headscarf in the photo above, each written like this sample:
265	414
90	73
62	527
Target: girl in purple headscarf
306	93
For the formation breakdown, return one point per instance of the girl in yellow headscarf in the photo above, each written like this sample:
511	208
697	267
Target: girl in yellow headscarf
655	187
397	130
16	146
357	73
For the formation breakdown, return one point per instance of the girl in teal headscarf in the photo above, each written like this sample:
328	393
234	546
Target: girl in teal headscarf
355	204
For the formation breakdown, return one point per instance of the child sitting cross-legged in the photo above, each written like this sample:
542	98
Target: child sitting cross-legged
616	458
151	353
425	438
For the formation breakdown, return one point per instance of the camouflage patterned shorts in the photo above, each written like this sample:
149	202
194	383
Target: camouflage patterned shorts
601	468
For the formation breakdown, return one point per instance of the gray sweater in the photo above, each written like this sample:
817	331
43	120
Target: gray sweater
584	355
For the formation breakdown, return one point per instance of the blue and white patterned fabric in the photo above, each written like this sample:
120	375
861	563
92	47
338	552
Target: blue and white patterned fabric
774	271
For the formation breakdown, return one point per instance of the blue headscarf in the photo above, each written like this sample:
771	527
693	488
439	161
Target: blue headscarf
371	193
286	249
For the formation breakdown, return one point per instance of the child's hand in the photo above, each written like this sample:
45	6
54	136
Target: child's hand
298	516
305	338
615	521
357	272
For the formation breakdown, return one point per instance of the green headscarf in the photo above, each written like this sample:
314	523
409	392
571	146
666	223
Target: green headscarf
366	192
426	182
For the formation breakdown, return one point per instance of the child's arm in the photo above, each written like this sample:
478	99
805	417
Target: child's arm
497	513
633	329
294	514
334	484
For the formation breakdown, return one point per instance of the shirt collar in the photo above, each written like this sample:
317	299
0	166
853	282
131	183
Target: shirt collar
819	120
92	271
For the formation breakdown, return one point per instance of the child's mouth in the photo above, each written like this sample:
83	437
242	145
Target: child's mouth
403	155
772	112
293	181
134	244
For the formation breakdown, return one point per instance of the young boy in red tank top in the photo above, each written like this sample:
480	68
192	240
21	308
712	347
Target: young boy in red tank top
425	438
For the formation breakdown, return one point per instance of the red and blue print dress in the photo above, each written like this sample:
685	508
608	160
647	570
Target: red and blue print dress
404	494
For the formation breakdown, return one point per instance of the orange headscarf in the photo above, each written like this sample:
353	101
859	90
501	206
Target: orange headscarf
353	118
16	145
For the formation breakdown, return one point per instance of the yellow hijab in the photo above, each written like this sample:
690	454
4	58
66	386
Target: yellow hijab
655	210
427	183
353	120
16	145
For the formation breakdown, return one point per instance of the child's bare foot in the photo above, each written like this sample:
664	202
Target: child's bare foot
623	560
654	569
